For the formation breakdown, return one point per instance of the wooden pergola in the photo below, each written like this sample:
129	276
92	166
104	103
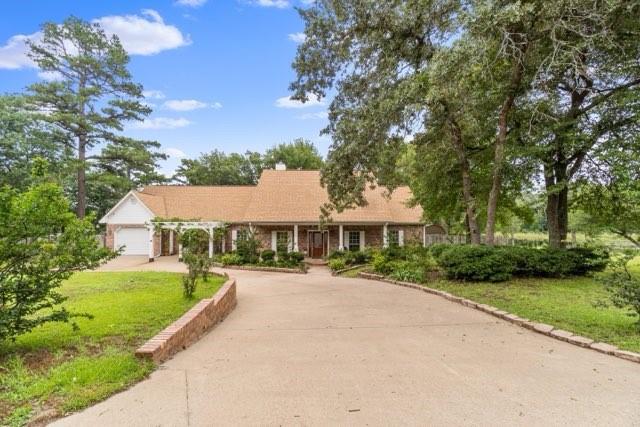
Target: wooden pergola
207	226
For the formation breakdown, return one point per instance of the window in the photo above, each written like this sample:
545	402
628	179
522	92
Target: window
282	241
393	238
353	240
243	234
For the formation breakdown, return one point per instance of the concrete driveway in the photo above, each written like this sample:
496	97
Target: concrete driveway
317	350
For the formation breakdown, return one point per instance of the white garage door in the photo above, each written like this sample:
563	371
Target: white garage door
134	240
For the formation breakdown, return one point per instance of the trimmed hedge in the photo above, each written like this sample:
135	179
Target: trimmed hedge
497	264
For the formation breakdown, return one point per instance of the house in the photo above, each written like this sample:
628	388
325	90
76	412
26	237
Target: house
283	211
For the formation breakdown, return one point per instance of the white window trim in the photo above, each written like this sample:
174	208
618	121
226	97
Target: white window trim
347	245
274	240
234	239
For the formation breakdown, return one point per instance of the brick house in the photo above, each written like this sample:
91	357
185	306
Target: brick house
283	210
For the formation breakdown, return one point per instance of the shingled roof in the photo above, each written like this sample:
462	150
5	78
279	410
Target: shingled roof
281	196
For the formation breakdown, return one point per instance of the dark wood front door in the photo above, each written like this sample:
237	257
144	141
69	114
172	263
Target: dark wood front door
317	244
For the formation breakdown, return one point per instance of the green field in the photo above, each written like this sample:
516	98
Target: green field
56	367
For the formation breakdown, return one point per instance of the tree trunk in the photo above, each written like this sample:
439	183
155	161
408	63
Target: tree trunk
499	149
82	191
557	205
467	192
81	206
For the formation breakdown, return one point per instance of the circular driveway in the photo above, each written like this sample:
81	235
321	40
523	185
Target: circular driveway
318	350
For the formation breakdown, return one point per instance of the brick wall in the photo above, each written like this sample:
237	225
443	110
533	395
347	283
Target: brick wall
191	326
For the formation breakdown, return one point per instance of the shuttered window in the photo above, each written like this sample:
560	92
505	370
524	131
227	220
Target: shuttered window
353	241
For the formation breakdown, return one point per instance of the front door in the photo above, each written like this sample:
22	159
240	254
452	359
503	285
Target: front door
317	244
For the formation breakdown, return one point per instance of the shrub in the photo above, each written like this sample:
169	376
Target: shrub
381	263
283	256
41	244
268	255
622	286
297	257
592	259
337	264
231	259
407	271
485	263
247	247
438	248
476	263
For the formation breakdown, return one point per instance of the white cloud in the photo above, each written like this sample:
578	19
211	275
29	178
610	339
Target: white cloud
175	152
287	102
140	35
191	3
184	104
13	55
144	35
50	76
280	4
153	94
297	37
189	105
161	123
318	115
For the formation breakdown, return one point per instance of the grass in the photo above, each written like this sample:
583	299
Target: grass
354	273
570	304
57	367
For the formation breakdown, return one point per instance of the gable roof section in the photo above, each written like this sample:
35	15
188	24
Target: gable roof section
206	203
279	197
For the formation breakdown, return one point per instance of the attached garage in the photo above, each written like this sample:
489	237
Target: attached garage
134	239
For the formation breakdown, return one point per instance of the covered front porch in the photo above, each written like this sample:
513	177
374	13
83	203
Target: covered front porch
169	232
317	241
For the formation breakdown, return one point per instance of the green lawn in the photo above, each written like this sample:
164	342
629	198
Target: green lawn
564	303
57	367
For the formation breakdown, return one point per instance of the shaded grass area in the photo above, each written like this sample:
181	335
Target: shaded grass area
57	367
570	304
354	272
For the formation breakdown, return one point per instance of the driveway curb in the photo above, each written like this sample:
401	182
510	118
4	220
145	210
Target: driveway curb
541	328
190	327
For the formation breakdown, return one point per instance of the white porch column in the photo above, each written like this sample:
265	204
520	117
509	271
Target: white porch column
385	235
170	242
295	238
151	251
211	243
424	236
340	238
180	251
224	243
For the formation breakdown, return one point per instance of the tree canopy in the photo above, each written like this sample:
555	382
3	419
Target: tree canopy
219	168
298	154
497	94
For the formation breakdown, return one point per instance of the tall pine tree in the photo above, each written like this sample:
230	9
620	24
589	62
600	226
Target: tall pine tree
90	98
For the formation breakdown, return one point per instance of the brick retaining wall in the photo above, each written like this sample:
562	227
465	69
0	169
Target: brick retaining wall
191	326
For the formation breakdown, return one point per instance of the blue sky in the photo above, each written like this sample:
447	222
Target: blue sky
217	71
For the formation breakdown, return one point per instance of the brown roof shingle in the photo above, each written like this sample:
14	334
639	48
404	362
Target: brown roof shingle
279	197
